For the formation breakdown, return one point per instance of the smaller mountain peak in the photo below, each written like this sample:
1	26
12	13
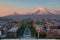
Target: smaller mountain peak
15	13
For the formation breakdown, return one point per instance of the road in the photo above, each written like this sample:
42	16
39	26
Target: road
27	34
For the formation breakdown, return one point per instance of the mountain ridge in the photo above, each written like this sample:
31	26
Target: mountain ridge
44	11
38	13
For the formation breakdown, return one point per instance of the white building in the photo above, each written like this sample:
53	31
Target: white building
39	27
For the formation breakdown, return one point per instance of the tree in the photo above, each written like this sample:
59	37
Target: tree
33	30
44	24
42	34
21	29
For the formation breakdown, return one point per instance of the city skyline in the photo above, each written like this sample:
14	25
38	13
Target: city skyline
21	6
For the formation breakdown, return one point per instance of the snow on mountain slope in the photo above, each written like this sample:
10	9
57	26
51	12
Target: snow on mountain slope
44	11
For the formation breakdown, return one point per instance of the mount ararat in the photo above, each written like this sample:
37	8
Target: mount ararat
37	13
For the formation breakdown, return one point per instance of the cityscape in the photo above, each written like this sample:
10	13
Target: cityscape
40	23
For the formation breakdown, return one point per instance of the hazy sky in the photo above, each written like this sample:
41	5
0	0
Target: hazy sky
20	6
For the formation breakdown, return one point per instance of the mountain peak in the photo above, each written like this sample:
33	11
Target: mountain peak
42	10
15	13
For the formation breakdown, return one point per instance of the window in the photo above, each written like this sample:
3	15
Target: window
0	32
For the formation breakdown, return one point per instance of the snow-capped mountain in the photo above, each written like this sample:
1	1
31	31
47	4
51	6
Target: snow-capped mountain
37	13
54	12
44	11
